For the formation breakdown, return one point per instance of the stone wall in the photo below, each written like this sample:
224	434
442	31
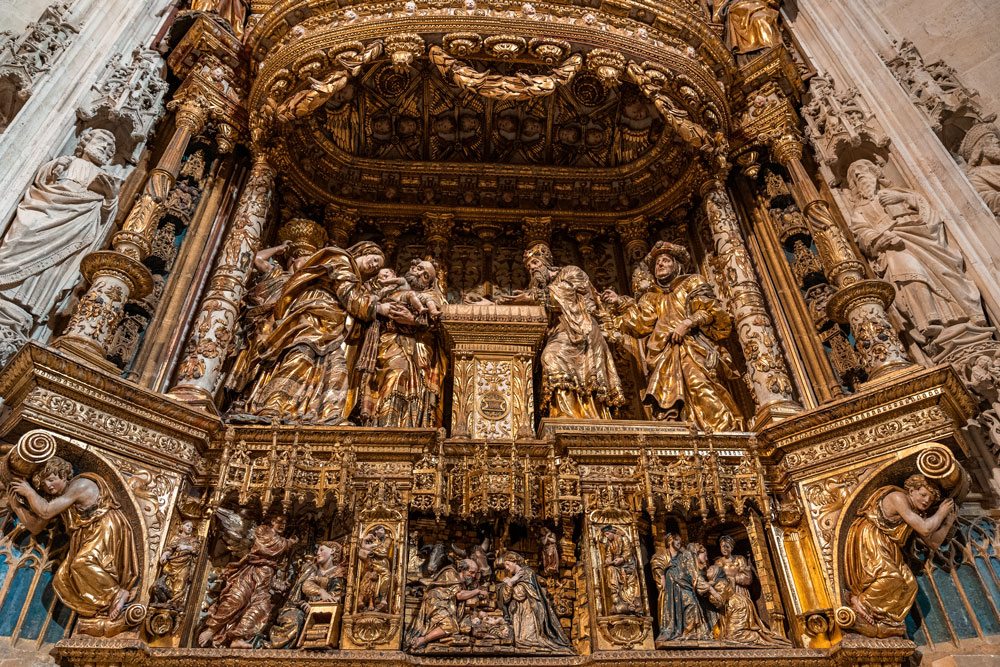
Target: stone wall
15	15
963	33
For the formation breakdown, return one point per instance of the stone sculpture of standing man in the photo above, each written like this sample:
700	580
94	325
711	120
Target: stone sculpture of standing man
64	215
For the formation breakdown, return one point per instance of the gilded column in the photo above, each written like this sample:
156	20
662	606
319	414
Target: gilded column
765	363
437	233
537	230
201	370
119	275
860	302
340	224
634	233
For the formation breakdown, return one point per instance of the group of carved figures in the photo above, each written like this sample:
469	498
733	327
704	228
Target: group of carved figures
459	603
336	336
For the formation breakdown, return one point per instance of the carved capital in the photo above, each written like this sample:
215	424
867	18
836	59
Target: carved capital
537	229
340	224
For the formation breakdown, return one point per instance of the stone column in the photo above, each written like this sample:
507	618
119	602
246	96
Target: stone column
119	275
201	370
340	224
634	233
859	302
765	363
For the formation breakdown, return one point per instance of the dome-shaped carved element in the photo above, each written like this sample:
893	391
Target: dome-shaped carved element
462	44
505	47
549	51
403	49
303	235
607	65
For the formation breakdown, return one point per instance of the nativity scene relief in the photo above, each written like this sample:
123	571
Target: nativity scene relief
508	334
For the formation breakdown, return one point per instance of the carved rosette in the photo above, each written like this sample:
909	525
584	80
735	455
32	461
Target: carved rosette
765	363
201	369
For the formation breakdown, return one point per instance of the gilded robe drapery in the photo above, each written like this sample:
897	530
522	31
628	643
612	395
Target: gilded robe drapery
685	378
578	371
874	568
245	603
751	25
531	616
101	560
439	606
314	322
405	389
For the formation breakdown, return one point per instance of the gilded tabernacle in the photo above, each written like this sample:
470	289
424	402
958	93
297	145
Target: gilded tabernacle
644	332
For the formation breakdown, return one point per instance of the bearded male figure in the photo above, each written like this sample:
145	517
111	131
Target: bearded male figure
905	241
981	151
404	389
304	375
680	321
578	371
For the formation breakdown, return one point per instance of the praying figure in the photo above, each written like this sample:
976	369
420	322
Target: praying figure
528	610
981	151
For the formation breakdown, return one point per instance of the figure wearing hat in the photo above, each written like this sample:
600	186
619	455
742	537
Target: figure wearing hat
981	151
681	320
578	372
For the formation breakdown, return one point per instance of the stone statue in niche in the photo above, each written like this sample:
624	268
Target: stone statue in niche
981	151
621	571
244	605
882	586
402	377
680	318
528	610
579	378
320	581
65	214
905	241
550	552
98	575
375	554
176	568
751	25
